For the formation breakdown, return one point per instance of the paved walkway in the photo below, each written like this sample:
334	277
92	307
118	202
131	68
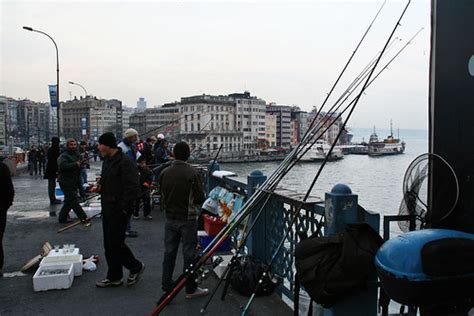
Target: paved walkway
29	226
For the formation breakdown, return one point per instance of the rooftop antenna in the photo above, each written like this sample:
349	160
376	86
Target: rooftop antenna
70	95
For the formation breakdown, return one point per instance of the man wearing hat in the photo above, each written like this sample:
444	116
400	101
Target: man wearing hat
129	148
119	188
51	172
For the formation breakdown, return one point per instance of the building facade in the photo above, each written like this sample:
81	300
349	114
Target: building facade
250	120
141	104
158	120
88	118
270	130
33	122
209	122
283	124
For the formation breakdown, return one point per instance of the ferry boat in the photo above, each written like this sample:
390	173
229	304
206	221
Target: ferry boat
389	146
319	150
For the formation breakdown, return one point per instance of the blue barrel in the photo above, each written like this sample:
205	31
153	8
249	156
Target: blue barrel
428	267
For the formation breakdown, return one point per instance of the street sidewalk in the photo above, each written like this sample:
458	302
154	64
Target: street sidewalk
29	227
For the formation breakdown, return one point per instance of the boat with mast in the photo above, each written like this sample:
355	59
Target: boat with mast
389	146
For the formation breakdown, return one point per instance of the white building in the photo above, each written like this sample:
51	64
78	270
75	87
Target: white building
270	129
250	120
209	122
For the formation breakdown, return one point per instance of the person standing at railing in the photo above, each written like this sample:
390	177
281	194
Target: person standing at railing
181	196
51	172
6	200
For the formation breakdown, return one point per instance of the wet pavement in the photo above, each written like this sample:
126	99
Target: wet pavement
29	226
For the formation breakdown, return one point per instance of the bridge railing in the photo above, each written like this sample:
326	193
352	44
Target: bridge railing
339	207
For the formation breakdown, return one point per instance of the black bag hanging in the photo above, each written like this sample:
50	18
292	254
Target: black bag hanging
331	267
245	276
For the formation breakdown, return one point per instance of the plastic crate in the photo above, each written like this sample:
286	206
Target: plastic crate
205	240
212	224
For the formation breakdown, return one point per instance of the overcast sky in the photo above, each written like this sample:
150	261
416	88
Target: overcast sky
283	52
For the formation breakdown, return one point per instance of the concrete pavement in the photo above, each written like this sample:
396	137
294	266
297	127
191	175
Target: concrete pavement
29	226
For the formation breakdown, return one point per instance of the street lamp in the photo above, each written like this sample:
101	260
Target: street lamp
85	91
57	69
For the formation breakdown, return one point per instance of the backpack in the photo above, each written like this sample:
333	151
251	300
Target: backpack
331	267
246	274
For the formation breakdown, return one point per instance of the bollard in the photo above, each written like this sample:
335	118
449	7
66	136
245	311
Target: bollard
258	234
341	208
211	182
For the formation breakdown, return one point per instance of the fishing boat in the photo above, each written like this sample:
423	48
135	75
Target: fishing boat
389	146
319	151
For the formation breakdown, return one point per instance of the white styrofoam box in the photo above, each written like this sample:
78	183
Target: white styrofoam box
53	282
220	269
53	253
76	261
89	210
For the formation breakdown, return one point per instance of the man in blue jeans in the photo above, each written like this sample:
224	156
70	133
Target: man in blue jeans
181	196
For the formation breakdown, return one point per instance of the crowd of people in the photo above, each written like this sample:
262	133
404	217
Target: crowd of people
130	170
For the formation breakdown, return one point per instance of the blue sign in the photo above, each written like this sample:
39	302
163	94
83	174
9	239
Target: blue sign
84	122
53	94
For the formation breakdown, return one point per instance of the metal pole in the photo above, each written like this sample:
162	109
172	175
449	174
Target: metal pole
85	91
57	72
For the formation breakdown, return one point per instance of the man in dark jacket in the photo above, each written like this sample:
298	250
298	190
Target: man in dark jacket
69	165
6	200
120	188
181	194
51	172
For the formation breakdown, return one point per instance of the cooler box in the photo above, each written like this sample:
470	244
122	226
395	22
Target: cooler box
45	282
205	239
212	224
75	260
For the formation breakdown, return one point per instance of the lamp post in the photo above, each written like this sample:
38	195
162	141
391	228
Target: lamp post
57	69
85	91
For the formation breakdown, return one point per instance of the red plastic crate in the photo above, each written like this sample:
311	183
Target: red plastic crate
213	224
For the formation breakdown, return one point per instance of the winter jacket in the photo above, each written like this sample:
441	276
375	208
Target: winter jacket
120	185
146	178
52	165
6	187
181	191
128	149
69	171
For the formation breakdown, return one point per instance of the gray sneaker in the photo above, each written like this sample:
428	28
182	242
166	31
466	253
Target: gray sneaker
107	283
198	293
134	277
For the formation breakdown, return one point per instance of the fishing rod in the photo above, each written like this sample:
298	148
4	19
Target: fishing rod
170	296
282	241
230	266
165	124
179	286
87	220
215	158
